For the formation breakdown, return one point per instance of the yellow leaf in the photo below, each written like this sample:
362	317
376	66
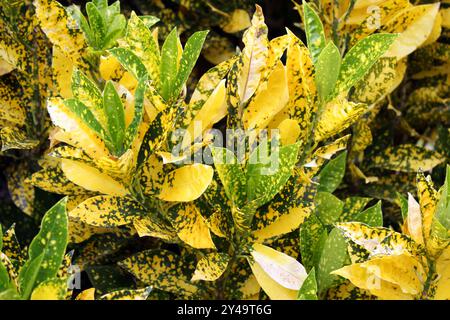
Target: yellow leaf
110	68
60	28
191	227
283	269
272	288
212	111
75	132
378	240
126	294
161	269
20	190
443	282
211	267
54	289
152	175
302	89
407	158
62	72
415	24
337	116
435	32
445	14
80	231
381	80
11	103
186	183
239	20
88	294
414	220
107	211
146	226
10	268
289	131
427	200
288	222
5	67
91	179
267	103
367	279
253	57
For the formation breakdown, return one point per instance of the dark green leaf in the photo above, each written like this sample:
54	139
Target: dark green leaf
327	70
331	175
189	57
333	257
308	291
168	67
372	216
315	35
313	235
268	173
360	58
47	249
115	116
130	62
97	23
132	129
328	207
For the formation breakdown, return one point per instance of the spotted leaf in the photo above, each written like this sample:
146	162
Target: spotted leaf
107	211
161	269
211	267
360	58
46	251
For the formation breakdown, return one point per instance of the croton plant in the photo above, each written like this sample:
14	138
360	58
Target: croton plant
288	170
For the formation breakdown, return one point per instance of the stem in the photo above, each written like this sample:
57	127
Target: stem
430	278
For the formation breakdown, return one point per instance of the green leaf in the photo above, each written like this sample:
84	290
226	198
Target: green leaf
107	278
313	235
97	23
327	70
9	294
86	91
140	40
84	25
230	174
101	5
28	275
115	30
83	112
403	203
130	61
169	64
149	21
115	116
315	35
47	249
189	57
132	129
308	291
331	175
352	207
333	257
5	282
372	216
443	207
51	289
360	58
267	174
328	207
